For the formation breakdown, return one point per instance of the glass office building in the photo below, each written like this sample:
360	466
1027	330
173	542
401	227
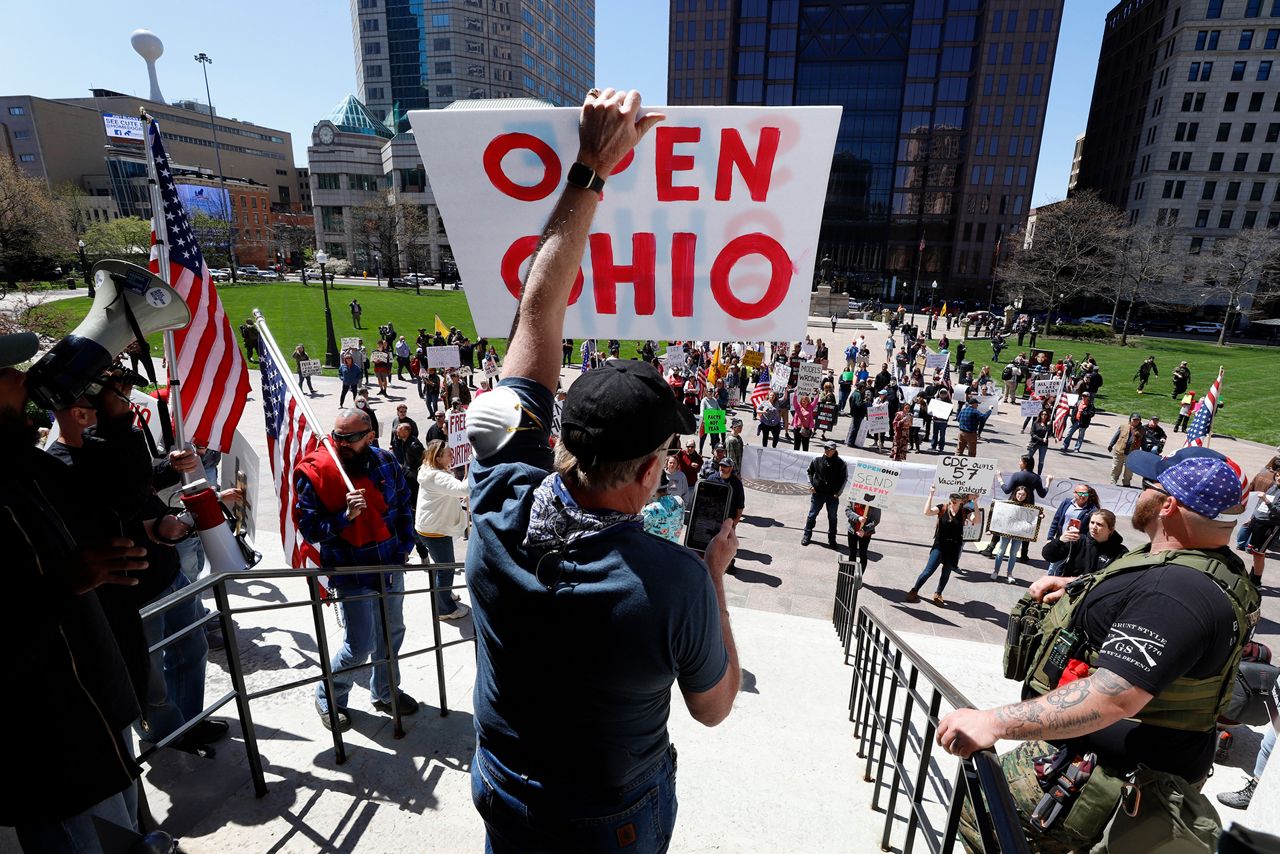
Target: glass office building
426	54
943	109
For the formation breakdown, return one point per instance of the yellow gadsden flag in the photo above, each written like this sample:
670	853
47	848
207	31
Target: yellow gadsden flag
441	328
943	313
715	371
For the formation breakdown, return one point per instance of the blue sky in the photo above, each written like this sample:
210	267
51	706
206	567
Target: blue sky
285	63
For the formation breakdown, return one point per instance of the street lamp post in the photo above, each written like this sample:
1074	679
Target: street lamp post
205	62
377	268
933	308
331	341
84	268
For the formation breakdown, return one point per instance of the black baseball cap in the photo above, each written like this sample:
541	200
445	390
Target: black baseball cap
621	411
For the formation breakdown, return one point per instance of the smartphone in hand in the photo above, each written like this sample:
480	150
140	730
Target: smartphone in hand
710	509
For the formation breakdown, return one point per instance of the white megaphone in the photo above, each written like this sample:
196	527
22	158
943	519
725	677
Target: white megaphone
131	303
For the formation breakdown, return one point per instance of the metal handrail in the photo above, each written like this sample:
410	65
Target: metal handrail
225	614
884	665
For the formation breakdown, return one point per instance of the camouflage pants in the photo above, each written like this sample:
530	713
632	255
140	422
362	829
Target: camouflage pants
1019	767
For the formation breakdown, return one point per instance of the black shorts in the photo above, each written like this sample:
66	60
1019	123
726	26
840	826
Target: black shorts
1261	535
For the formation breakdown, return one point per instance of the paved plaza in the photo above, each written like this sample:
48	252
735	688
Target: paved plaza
779	774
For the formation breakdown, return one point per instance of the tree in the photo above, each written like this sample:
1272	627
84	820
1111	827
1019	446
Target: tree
374	229
126	238
1242	268
291	239
33	227
1070	251
211	235
1144	264
415	230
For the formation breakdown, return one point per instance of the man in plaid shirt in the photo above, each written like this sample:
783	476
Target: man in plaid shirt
970	420
370	526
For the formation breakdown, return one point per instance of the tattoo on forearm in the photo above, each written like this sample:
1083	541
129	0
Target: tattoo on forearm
1064	712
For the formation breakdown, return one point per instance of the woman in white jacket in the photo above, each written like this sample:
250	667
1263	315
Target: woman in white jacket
441	515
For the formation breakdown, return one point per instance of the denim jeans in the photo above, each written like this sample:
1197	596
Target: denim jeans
305	379
175	689
946	556
816	503
1264	752
522	815
433	402
77	833
351	389
1242	535
440	550
1012	546
1072	431
363	638
939	440
1038	453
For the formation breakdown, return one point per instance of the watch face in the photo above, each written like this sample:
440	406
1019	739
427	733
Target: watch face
326	134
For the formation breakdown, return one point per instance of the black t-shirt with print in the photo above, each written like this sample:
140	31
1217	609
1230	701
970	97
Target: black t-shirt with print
1151	627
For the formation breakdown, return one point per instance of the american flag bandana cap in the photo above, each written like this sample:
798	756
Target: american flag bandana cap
1205	483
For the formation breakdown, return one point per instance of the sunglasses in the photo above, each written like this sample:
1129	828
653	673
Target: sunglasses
1154	485
349	438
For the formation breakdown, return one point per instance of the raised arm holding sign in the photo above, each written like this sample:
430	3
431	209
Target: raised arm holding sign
616	422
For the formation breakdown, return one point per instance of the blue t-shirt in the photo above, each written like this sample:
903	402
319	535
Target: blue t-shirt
574	686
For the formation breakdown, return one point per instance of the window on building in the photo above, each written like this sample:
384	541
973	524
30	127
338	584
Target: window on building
22	134
439	20
1273	219
1246	132
1193	73
1272	39
1197	244
1242	162
27	158
1237	70
444	68
1215	161
370	25
1255	101
1257	190
1229	103
1224	131
1201	37
1168	190
1210	187
1233	190
1202	219
1264	69
17	111
1213	9
1264	161
1252	8
1224	219
1246	39
1250	219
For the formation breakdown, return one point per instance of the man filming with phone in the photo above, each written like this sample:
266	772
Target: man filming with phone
583	622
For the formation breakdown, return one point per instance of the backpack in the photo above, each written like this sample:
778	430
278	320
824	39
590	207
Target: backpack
1007	373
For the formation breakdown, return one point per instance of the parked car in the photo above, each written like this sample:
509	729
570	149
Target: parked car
268	274
1104	319
1204	327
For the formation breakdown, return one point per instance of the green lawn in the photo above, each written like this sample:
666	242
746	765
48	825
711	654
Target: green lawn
1250	388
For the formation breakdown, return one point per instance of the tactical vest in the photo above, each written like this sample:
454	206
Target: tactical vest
1186	704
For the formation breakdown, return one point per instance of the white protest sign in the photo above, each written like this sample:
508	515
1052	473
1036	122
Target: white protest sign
1073	399
779	377
988	403
675	358
350	343
971	475
909	393
735	396
808	378
807	351
873	481
444	357
940	409
380	357
878	419
490	368
309	367
458	443
709	230
1031	408
1048	388
936	362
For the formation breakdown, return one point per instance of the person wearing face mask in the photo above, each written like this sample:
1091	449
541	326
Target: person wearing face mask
1073	512
371	525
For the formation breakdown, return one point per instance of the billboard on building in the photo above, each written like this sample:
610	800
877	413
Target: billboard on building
211	201
124	127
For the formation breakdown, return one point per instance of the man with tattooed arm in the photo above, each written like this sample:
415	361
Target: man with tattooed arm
1132	666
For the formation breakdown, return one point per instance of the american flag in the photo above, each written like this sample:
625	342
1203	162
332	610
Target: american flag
289	439
760	393
1201	427
1060	412
215	379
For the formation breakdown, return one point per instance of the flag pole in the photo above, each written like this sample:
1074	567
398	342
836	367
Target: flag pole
1213	416
325	439
162	258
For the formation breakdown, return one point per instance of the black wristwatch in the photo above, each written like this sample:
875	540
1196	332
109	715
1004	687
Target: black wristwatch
583	176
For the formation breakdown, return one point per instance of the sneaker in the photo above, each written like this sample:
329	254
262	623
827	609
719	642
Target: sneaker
461	612
208	731
831	541
987	552
213	636
912	596
344	719
939	601
408	705
806	538
1239	800
1010	579
995	575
